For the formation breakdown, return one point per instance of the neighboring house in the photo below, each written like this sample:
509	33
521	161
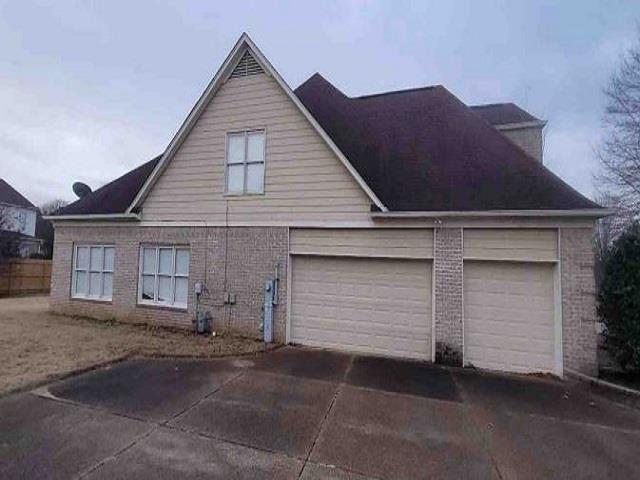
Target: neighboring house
401	224
18	220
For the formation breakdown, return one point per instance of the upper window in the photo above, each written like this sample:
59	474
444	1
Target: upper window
164	276
245	162
92	272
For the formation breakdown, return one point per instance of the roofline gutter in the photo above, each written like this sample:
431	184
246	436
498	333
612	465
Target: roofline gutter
588	212
95	216
518	125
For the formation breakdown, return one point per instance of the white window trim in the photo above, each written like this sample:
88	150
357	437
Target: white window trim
88	271
245	162
157	275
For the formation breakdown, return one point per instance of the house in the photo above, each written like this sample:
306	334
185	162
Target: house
404	224
18	223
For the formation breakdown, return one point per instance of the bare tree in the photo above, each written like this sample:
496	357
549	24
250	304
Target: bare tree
51	206
9	246
619	153
44	228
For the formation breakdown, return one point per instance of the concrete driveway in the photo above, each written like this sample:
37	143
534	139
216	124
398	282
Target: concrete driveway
312	414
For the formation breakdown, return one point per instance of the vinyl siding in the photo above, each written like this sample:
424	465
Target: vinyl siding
511	244
304	180
389	243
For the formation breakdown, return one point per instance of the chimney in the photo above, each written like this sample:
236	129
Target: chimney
527	135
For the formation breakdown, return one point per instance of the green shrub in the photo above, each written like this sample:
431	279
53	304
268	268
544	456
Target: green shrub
619	297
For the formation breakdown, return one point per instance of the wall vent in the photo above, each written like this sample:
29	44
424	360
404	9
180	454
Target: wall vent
246	66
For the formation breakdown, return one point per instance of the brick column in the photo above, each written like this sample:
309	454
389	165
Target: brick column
579	337
448	295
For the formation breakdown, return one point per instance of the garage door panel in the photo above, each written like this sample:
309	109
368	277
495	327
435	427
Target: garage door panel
503	315
379	306
366	292
510	331
518	344
372	317
363	302
404	347
355	329
509	318
495	285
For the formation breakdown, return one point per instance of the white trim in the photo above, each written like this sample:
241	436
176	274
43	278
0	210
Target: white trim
245	163
519	125
94	216
157	247
88	271
243	43
589	212
287	330
464	353
558	330
433	300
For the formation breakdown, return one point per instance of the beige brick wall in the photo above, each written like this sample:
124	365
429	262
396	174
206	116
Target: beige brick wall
251	258
448	295
579	337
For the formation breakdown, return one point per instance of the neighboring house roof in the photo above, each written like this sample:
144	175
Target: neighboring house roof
11	196
425	150
114	197
504	114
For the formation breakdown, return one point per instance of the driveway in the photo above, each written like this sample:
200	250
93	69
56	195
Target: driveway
313	414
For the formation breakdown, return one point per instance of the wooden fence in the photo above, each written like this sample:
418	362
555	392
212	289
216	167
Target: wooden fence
22	276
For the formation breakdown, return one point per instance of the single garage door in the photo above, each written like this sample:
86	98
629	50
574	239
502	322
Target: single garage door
378	306
509	316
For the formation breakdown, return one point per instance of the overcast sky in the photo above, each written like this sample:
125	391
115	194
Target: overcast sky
91	89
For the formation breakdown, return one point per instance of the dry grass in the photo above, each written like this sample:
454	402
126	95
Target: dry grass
36	345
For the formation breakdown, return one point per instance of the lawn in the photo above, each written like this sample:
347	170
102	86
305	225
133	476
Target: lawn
36	346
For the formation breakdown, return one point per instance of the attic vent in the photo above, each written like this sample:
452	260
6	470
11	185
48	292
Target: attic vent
246	66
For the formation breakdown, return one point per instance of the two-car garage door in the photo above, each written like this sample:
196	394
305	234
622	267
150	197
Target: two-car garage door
371	292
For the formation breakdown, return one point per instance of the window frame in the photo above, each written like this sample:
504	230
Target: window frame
245	163
156	276
88	271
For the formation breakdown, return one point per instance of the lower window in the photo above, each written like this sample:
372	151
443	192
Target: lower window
92	272
164	276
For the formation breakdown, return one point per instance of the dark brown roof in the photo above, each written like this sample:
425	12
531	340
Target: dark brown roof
503	113
11	196
425	150
114	197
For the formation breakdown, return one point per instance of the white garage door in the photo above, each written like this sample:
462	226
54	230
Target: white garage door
377	306
509	316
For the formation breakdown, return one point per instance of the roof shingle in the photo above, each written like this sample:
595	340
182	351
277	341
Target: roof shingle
115	196
424	150
11	196
503	113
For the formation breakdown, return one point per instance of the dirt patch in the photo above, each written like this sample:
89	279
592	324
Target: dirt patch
36	345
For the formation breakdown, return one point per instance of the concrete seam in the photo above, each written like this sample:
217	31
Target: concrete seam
110	458
475	428
199	401
326	415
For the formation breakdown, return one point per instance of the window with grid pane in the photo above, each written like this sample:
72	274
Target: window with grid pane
93	272
245	162
164	275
